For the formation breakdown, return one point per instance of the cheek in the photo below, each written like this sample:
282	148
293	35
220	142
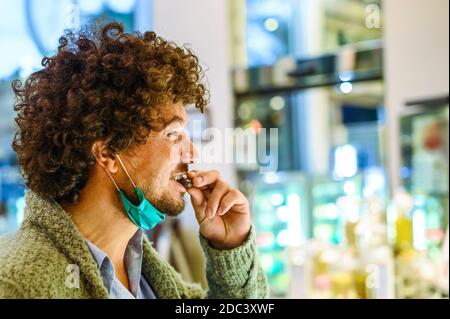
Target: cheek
172	154
163	158
156	150
160	158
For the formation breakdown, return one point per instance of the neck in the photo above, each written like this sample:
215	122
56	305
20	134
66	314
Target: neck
100	218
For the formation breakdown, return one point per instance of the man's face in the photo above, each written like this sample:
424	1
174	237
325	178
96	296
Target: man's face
165	153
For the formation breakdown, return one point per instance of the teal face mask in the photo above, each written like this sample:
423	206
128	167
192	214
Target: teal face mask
144	215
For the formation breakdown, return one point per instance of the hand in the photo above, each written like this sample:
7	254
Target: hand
222	211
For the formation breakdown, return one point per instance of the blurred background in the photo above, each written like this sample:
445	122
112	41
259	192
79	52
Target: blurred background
358	90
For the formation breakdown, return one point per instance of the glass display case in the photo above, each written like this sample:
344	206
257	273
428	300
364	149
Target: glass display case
327	217
280	203
425	171
311	214
330	161
269	112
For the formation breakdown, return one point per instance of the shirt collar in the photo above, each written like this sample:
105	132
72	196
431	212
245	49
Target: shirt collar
133	262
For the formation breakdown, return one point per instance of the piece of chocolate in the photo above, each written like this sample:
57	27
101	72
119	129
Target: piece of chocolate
186	182
183	180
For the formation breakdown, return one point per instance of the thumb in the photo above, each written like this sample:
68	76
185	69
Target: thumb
198	199
198	202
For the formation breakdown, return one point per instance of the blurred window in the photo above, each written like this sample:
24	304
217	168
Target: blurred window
278	28
30	28
267	30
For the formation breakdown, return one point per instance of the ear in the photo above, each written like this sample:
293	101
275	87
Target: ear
104	157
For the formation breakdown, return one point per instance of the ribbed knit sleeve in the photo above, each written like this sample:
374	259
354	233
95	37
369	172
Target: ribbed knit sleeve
234	273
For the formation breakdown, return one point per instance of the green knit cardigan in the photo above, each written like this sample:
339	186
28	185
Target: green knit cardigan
37	262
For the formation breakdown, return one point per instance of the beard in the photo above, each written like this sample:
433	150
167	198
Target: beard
164	202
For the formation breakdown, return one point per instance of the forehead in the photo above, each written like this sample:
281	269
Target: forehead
169	114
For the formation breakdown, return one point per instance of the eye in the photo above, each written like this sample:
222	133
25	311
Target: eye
173	136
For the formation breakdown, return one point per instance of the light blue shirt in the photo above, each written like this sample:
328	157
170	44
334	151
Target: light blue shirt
139	286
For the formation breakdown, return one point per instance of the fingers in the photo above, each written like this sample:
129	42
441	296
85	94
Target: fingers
201	179
191	174
211	196
233	197
198	203
206	193
218	192
197	197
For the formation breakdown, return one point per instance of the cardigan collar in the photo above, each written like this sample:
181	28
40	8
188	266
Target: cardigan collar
57	225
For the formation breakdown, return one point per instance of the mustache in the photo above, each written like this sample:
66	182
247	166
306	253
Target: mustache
184	167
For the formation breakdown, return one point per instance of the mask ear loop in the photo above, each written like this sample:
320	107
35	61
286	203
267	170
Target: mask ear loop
112	179
126	172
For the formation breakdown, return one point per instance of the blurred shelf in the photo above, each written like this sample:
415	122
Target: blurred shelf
310	81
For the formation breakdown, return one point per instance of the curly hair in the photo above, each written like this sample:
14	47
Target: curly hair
100	85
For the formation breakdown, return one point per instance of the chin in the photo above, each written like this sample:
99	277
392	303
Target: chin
170	201
170	205
176	208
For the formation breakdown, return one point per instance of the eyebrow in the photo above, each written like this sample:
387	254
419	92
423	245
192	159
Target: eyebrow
175	119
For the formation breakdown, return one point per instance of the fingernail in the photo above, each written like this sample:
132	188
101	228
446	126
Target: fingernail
208	212
198	180
219	212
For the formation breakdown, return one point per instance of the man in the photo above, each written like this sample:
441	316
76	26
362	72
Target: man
100	142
